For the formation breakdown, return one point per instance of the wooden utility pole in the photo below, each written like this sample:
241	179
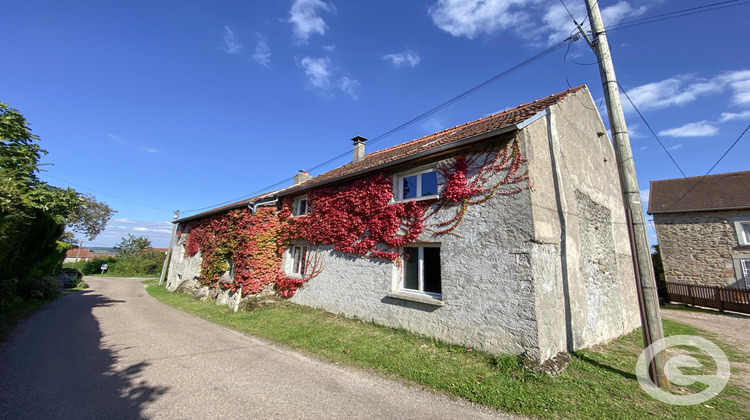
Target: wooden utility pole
644	272
169	250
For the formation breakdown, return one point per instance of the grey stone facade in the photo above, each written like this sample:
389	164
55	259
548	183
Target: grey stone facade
539	272
702	247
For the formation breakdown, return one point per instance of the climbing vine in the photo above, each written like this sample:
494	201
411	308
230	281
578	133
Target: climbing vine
359	218
469	181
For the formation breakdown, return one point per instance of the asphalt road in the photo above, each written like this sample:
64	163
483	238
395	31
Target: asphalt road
114	352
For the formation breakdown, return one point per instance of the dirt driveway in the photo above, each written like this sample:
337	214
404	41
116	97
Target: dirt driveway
731	328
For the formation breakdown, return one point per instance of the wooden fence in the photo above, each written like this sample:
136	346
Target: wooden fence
721	298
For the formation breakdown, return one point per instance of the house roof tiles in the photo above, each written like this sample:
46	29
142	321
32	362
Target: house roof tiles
393	155
713	192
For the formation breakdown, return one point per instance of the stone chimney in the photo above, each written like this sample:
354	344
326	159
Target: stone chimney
359	148
301	176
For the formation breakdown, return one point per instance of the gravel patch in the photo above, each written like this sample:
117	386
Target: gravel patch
731	328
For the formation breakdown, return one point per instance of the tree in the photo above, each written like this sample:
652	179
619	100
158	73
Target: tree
90	217
33	214
133	246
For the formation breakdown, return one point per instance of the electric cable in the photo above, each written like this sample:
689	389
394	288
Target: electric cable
624	92
103	193
419	117
711	169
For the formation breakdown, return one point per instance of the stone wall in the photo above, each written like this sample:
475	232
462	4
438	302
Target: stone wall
701	247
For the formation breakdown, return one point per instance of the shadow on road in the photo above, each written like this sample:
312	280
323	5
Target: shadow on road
55	365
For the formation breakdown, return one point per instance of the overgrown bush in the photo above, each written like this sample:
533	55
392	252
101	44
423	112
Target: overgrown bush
134	266
92	266
142	264
45	287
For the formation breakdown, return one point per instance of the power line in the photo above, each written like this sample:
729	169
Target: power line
676	14
651	129
419	117
711	169
103	193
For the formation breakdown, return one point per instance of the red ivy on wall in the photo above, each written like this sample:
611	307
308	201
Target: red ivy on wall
469	181
356	219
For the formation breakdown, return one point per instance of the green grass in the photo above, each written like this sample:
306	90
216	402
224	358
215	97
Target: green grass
598	383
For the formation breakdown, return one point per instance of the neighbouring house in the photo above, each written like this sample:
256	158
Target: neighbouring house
77	254
703	228
506	234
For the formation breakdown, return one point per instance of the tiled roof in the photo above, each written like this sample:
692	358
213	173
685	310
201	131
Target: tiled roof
713	192
438	140
393	155
73	253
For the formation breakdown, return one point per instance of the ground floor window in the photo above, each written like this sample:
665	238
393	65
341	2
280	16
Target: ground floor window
421	270
745	265
297	260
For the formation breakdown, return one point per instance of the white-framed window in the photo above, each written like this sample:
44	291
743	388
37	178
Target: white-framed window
296	260
300	207
423	184
742	226
745	267
421	271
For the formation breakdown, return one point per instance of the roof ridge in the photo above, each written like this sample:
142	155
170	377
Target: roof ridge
700	176
559	95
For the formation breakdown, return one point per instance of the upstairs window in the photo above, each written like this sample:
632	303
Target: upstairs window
417	185
742	226
300	207
421	265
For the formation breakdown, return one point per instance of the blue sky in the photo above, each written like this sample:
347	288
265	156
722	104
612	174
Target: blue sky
159	106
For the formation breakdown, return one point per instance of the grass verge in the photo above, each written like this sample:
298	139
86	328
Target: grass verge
598	383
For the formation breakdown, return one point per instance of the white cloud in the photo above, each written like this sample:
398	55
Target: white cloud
531	20
684	89
231	45
262	53
675	147
433	124
157	231
320	75
404	59
739	82
733	116
469	18
150	150
329	48
305	19
645	196
696	129
318	71
616	13
348	86
115	138
635	131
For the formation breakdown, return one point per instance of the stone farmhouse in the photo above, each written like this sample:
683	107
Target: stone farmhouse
506	234
703	228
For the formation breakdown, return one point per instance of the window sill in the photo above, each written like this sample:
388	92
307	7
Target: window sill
427	300
427	197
